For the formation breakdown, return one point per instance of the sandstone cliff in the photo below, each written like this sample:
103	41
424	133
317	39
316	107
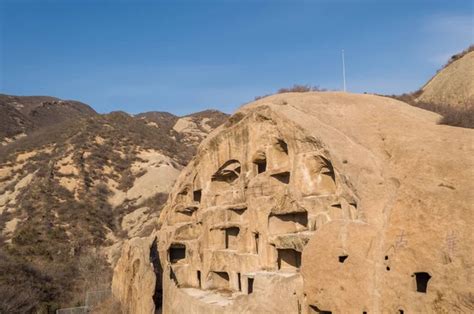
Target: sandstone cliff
314	203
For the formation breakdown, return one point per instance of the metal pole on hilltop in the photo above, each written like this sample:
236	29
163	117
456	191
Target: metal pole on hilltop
343	70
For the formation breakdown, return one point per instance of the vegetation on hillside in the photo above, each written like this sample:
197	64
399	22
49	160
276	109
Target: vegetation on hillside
460	117
53	255
25	114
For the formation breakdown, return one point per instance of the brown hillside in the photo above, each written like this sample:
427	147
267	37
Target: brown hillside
453	85
21	115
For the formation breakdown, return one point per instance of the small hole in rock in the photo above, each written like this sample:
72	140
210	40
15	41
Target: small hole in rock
342	258
386	257
388	268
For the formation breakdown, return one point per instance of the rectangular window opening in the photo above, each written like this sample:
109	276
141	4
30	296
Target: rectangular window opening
289	259
231	235
197	196
250	285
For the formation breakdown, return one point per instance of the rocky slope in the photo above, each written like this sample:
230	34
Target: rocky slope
73	185
305	203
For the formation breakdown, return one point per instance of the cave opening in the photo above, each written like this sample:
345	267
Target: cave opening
228	172
250	285
231	238
422	279
283	177
261	162
288	259
176	252
197	196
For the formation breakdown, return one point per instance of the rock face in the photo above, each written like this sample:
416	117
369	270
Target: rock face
317	203
136	280
453	85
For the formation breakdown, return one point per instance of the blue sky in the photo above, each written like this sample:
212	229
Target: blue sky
185	56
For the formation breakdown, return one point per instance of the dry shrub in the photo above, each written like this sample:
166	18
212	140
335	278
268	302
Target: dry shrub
300	89
453	116
24	287
459	55
297	88
463	117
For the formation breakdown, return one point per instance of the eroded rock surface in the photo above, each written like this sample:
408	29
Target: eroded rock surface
135	279
319	203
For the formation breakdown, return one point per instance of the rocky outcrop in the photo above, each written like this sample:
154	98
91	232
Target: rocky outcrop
318	203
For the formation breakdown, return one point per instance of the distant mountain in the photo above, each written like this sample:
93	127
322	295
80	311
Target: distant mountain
74	184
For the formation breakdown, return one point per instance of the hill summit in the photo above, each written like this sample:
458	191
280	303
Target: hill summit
453	85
